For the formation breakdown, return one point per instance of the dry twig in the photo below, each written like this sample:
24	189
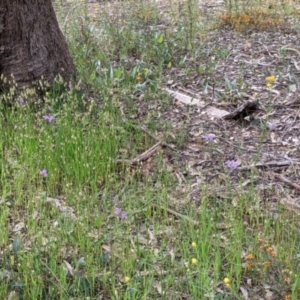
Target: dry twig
287	181
143	156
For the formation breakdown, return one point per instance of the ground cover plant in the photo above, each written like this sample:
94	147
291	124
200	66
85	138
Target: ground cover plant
169	170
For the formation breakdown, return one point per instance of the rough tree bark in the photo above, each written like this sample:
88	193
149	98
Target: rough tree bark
31	43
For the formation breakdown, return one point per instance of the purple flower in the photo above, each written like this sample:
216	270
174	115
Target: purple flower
44	173
121	213
118	211
49	118
123	216
209	137
232	164
70	86
21	100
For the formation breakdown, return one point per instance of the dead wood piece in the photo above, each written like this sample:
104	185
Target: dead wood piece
243	110
143	128
287	181
216	112
143	156
185	99
177	214
155	138
270	164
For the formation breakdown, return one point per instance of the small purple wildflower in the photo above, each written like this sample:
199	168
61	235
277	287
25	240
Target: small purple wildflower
123	216
118	211
44	173
70	86
121	213
209	137
232	164
21	100
49	118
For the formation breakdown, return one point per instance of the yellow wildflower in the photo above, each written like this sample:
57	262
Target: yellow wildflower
126	279
271	78
269	85
227	282
139	77
194	245
194	261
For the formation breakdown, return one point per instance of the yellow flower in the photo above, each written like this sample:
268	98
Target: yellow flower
269	85
194	245
227	281
194	261
139	77
126	279
271	78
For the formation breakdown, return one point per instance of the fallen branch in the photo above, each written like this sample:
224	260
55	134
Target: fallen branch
177	214
287	181
244	110
155	138
143	156
142	128
270	164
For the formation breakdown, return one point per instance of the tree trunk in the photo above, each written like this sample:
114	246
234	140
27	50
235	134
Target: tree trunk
32	47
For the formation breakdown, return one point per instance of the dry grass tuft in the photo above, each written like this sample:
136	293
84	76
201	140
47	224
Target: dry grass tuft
255	19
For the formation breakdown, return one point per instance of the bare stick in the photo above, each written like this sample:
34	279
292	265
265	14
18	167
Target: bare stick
285	180
177	214
145	155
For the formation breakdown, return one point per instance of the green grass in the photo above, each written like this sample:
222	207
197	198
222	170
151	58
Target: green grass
61	237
